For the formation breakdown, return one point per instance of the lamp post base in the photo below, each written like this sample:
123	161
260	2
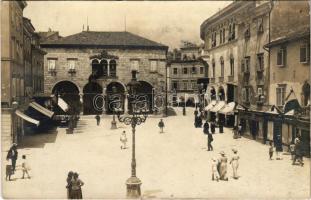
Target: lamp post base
133	187
113	124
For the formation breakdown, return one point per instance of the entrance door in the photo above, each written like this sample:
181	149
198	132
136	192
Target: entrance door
91	104
277	131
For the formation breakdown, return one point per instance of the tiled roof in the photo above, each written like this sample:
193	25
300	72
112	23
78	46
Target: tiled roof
106	39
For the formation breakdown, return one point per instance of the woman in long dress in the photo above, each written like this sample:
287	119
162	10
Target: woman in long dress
68	186
223	167
235	163
76	184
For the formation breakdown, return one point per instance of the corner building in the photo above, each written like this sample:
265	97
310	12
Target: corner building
80	66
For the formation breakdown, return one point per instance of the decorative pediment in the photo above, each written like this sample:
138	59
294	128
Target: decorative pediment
104	55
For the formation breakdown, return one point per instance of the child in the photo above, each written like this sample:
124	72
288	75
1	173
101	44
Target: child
161	125
9	172
292	150
25	167
271	150
123	139
215	174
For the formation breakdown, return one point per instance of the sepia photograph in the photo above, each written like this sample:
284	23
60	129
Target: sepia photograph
155	99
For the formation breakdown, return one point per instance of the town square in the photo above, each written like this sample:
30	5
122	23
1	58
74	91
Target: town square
150	100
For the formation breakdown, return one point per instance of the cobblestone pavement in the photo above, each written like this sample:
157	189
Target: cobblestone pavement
173	164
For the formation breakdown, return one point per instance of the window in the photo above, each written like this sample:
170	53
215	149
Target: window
281	57
135	65
220	36
246	64
247	33
185	70
280	95
260	62
259	91
201	70
185	85
153	65
213	39
222	67
245	94
231	66
231	31
175	85
304	53
194	84
112	68
71	63
193	70
175	71
51	64
260	25
213	69
223	35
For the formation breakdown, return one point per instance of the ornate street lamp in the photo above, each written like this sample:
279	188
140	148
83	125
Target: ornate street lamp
137	117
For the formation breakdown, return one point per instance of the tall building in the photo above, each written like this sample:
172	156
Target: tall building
234	39
185	71
289	89
80	66
12	69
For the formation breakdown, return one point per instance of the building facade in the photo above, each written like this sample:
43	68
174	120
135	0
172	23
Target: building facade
83	65
290	72
184	72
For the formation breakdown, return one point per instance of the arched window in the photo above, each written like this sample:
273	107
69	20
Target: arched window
112	68
213	68
231	65
104	64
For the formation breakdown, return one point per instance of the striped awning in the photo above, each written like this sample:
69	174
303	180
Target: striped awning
228	109
41	109
26	117
218	106
210	106
62	104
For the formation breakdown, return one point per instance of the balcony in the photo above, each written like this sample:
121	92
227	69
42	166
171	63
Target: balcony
230	78
212	80
221	79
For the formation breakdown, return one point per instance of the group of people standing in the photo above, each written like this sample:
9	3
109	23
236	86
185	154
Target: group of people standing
219	166
10	169
74	185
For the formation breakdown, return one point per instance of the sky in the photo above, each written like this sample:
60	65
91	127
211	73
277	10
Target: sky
164	22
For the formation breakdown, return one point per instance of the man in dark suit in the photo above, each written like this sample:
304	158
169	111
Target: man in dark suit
12	154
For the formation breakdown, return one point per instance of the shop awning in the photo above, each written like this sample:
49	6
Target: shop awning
218	106
290	113
228	109
41	109
62	104
210	106
27	118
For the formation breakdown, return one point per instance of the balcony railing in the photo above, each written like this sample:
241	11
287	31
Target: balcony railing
221	79
230	78
212	80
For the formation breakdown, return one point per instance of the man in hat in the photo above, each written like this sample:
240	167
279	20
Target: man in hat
12	154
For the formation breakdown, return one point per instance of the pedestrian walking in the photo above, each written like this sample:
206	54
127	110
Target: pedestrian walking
235	163
161	125
298	153
13	154
213	127
123	140
206	128
270	150
215	174
278	146
223	166
68	186
209	142
292	150
97	117
25	167
76	184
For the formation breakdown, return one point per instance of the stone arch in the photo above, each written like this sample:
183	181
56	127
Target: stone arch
90	91
115	96
69	92
221	93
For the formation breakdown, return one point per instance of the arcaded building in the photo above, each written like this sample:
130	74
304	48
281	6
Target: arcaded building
80	66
